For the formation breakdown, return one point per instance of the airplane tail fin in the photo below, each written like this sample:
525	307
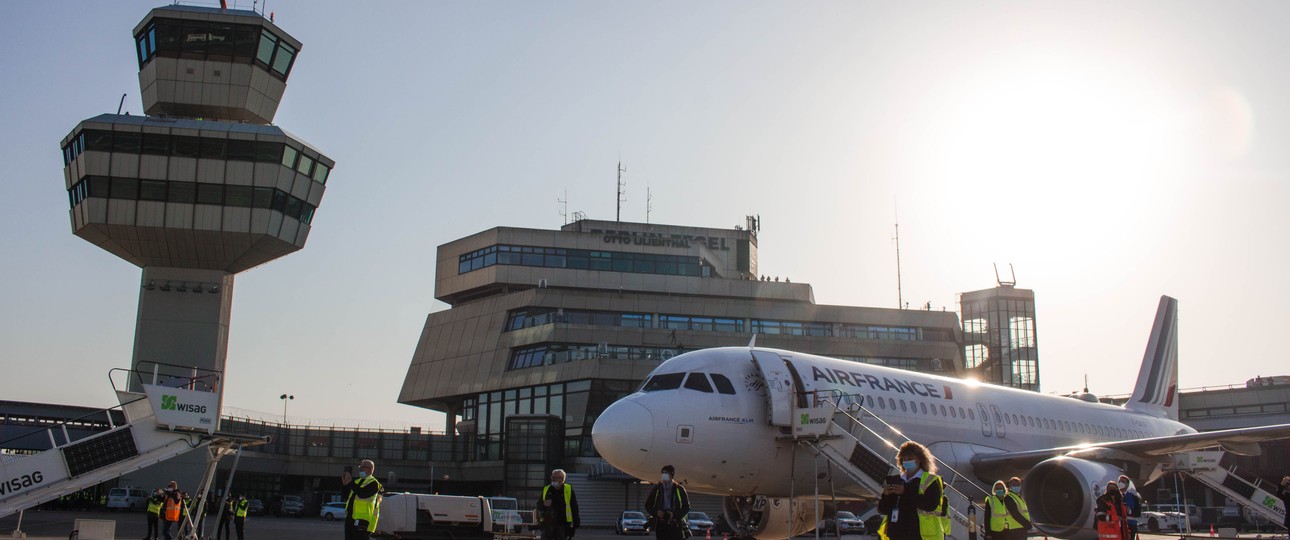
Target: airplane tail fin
1156	392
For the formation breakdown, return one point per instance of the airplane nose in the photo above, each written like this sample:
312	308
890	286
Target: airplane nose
622	434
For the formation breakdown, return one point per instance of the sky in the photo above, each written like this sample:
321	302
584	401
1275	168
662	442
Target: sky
1109	152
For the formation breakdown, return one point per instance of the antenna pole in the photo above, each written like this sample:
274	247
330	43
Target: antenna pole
120	105
618	216
649	203
900	295
564	212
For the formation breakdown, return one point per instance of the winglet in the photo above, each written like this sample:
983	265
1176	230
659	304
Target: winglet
1156	392
752	343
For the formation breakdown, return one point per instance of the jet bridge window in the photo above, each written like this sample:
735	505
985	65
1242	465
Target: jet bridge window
723	384
698	381
663	381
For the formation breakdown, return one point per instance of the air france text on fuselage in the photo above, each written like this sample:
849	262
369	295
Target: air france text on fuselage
861	380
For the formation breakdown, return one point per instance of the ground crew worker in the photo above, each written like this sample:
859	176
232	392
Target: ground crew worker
362	501
558	507
1023	512
171	509
225	517
911	502
239	515
1002	517
154	515
667	506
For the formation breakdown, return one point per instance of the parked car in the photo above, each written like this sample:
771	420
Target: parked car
255	507
632	522
1192	511
843	522
333	510
698	522
289	505
127	498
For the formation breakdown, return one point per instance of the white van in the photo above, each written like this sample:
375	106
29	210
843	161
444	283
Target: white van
127	498
1192	511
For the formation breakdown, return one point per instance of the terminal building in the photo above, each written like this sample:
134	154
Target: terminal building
548	327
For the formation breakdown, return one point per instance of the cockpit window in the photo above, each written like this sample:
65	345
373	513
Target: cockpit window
698	381
663	381
723	384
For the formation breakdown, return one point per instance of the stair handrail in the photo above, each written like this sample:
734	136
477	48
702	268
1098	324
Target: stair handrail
859	405
63	425
200	379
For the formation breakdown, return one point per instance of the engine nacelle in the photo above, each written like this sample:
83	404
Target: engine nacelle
767	518
1061	494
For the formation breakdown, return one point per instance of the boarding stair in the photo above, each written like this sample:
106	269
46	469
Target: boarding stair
1256	495
860	444
164	418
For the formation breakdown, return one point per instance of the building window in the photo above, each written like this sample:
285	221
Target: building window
580	259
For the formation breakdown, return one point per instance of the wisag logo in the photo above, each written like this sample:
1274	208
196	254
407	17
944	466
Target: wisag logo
806	419
171	403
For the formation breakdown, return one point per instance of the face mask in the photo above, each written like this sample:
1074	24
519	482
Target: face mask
556	483
910	466
666	477
1015	489
362	474
999	492
1124	485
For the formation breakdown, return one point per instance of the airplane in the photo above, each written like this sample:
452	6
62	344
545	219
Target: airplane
724	417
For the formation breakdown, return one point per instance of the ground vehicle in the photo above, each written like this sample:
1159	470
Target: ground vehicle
1154	519
288	505
698	522
128	498
843	522
332	510
255	507
417	515
631	522
1193	512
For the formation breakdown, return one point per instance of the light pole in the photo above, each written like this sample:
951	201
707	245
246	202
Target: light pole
285	398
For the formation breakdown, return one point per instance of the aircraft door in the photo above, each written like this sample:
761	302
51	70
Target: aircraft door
999	430
986	429
779	387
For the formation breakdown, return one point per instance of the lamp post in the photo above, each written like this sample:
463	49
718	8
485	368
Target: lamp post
285	398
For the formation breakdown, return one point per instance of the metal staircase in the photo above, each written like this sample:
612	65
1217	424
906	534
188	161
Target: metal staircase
852	440
162	422
1256	495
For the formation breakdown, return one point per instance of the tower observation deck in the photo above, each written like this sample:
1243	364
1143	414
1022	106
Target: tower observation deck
201	188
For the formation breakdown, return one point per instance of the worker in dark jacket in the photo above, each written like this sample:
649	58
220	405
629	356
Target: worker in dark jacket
911	502
362	501
558	507
667	506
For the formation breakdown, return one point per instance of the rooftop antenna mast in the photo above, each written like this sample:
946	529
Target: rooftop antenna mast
621	192
564	210
649	202
900	295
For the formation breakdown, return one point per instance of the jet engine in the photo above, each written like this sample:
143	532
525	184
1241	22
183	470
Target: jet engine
1061	494
768	518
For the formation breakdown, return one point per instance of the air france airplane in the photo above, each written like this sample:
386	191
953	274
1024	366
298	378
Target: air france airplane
725	418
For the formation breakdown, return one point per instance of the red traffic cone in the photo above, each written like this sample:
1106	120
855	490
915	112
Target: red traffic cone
1211	530
709	537
725	536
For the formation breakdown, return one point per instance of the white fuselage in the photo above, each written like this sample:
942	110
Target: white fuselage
723	443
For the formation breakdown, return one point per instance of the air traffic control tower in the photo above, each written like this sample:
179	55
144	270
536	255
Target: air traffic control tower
203	186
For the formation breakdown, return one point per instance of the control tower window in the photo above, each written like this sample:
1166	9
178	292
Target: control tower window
282	59
268	42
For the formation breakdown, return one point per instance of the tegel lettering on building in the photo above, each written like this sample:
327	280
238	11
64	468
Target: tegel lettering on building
881	384
633	238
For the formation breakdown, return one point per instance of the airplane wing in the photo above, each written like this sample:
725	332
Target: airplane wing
1242	441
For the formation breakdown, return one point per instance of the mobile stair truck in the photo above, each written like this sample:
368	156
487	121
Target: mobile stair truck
164	417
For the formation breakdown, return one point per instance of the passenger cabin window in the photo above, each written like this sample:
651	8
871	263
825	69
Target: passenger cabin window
723	384
698	381
663	381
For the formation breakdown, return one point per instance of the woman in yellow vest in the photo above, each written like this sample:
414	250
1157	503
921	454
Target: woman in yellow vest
1004	519
911	502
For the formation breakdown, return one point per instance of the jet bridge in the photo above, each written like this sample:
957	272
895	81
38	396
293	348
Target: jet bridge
163	419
